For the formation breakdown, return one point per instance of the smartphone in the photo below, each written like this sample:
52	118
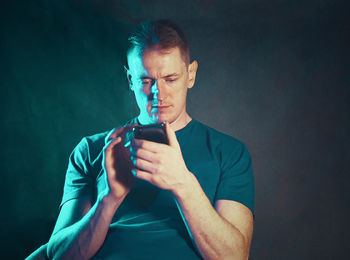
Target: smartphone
154	132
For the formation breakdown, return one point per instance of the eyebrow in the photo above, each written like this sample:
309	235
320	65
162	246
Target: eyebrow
171	75
166	76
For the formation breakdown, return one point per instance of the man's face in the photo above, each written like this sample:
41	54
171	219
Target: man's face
160	79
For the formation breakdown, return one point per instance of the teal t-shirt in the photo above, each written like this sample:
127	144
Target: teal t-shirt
148	224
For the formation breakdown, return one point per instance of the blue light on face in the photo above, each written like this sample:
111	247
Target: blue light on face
154	88
154	93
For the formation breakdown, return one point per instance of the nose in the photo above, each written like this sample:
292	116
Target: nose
158	91
155	88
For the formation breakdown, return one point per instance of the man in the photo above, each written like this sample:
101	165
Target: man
190	199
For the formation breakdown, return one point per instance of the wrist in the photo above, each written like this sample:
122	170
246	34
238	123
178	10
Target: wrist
110	201
186	188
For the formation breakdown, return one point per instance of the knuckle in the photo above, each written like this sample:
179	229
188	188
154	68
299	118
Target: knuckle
157	169
155	179
139	152
161	159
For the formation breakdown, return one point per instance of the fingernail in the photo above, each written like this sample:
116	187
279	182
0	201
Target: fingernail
133	172
133	160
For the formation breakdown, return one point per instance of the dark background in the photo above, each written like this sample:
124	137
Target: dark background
274	74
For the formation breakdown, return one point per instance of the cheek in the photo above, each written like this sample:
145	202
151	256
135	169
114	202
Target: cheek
179	94
141	93
142	99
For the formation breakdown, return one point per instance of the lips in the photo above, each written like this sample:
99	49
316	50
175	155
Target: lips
157	105
161	106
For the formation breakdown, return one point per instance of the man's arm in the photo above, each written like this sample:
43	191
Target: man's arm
221	233
81	227
39	254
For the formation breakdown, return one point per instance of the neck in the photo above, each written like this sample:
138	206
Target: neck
180	122
177	124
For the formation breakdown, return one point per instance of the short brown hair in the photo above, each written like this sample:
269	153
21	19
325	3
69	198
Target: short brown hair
164	34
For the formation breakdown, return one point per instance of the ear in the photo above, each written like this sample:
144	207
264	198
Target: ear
128	76
192	71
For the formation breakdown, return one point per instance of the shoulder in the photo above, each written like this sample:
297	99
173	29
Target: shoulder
100	139
227	149
87	151
97	139
217	137
92	142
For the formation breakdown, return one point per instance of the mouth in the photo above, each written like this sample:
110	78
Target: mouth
160	106
161	109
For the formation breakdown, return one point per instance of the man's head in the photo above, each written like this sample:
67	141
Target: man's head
160	34
159	71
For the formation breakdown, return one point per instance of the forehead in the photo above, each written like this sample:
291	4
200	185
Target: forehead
155	61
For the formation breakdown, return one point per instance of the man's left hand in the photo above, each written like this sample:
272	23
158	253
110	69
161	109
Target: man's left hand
160	164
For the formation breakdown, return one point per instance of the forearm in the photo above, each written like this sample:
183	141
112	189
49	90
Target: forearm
213	235
84	238
39	254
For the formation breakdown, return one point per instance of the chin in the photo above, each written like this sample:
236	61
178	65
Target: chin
155	118
164	117
159	117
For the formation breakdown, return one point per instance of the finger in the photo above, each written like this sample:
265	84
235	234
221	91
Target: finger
115	132
148	145
171	135
146	176
144	154
108	151
143	164
109	139
112	142
120	131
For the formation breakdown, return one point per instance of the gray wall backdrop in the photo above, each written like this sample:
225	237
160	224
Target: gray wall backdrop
274	74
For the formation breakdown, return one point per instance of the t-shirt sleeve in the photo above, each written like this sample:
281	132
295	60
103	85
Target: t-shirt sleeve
237	180
77	182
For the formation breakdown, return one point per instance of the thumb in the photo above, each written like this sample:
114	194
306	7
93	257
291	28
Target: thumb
171	135
114	133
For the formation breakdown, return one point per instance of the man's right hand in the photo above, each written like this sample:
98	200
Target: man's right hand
81	227
117	164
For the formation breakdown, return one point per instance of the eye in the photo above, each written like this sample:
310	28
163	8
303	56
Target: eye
170	80
147	82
